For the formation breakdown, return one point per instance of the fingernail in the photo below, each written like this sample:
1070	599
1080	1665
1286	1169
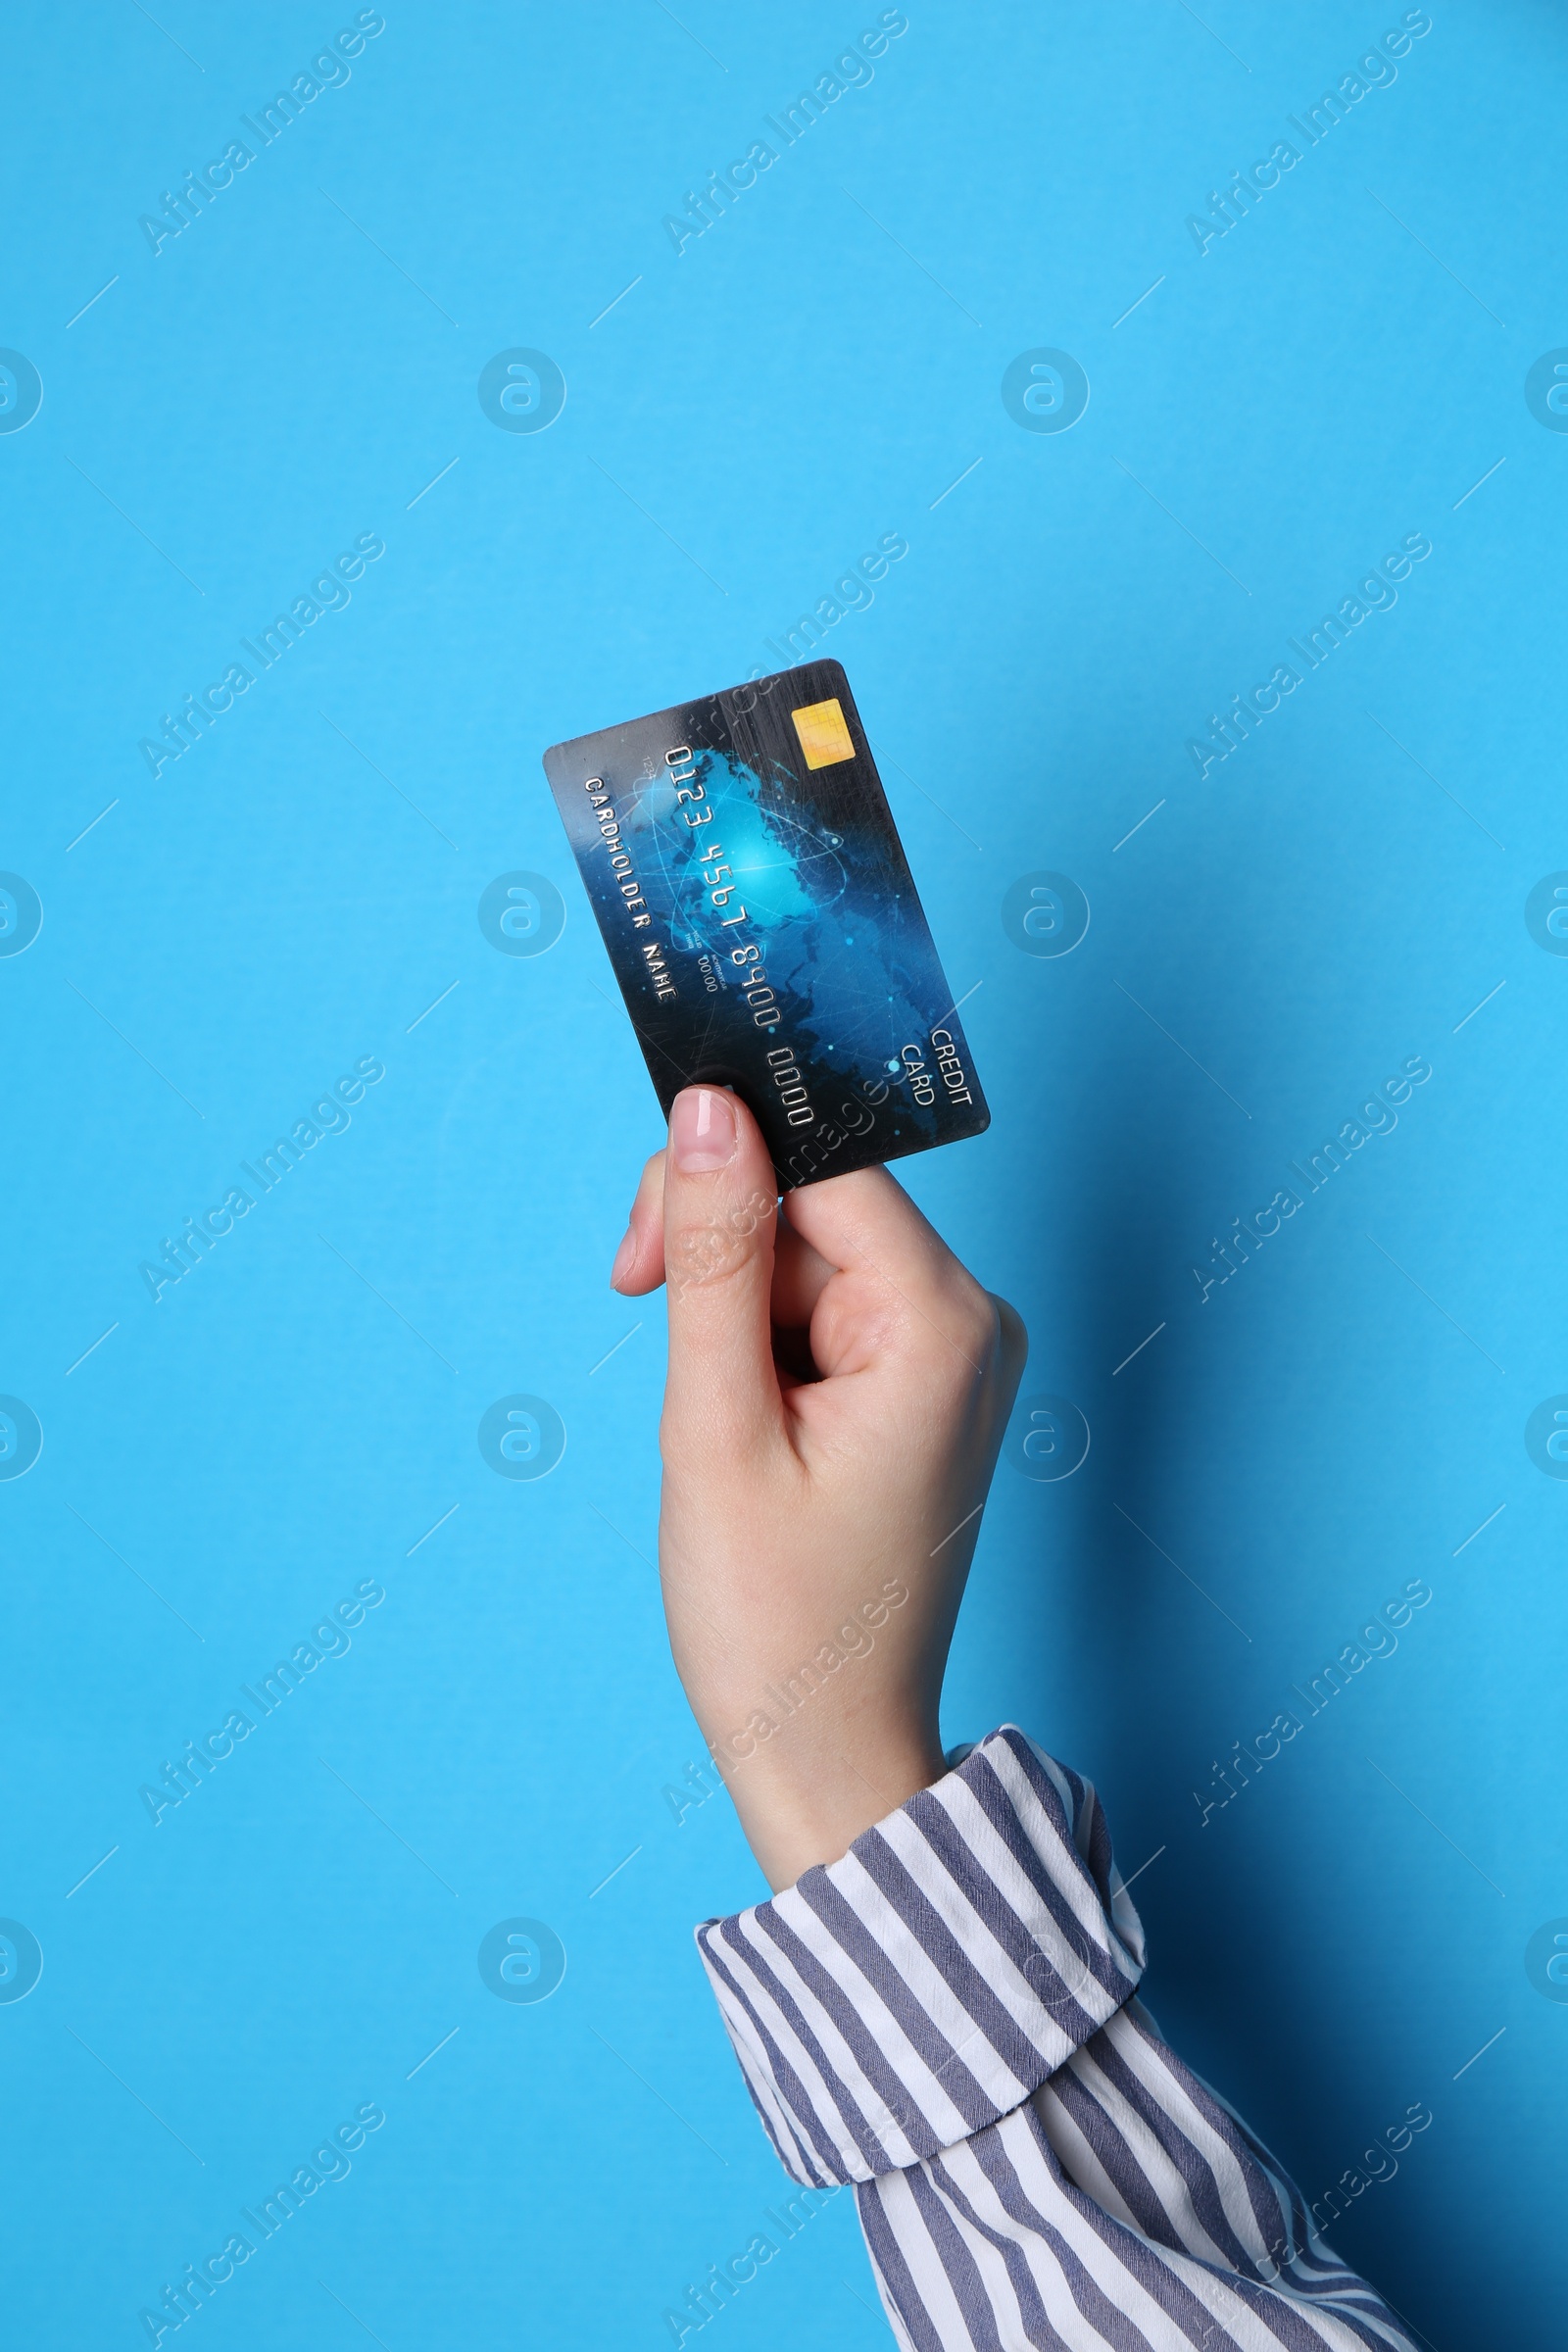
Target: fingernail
624	1257
702	1131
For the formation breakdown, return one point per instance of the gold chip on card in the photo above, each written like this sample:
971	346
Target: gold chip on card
824	736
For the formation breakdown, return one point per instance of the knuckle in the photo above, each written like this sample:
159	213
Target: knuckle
1014	1335
971	1318
700	1254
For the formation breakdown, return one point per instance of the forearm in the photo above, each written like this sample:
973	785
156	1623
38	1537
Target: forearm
946	2018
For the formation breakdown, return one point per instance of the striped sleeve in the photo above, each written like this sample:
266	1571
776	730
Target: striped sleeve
945	2018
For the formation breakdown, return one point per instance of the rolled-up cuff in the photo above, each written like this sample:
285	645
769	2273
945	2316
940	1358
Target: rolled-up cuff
893	2003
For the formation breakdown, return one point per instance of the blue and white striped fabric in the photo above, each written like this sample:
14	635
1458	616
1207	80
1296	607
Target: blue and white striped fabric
945	2018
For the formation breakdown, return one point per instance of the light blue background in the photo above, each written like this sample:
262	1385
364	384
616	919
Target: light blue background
814	371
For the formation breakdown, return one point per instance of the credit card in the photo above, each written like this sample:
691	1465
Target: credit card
763	922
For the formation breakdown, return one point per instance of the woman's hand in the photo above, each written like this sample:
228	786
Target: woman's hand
838	1390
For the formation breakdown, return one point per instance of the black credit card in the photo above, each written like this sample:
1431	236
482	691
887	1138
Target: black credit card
760	912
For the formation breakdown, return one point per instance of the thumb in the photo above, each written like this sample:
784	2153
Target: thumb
720	1206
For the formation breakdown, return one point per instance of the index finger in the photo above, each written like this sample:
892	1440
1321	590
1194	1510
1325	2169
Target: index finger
865	1225
641	1269
867	1217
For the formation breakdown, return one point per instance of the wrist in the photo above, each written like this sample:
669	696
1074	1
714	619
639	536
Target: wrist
801	1805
